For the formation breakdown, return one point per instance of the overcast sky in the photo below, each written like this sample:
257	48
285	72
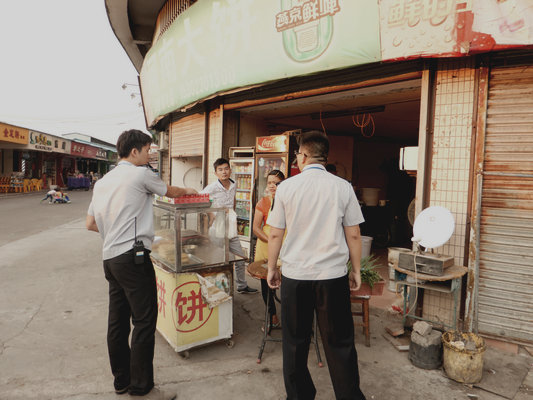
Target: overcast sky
62	69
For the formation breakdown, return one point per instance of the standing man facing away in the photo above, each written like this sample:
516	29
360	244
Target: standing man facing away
223	194
321	215
121	210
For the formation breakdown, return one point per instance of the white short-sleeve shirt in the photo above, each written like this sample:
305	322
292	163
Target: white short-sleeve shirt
314	207
121	196
221	196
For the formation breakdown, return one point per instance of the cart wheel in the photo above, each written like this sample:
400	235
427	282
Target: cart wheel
184	354
230	343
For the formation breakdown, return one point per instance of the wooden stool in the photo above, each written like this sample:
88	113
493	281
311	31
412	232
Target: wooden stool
363	300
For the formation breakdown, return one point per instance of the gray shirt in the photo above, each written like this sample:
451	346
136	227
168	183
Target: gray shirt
122	196
221	196
314	207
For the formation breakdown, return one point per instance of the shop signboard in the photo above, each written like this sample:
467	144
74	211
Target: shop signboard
44	142
272	144
111	156
419	28
251	42
83	150
13	134
502	23
255	41
101	154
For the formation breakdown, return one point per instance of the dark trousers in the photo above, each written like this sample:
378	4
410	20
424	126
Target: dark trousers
132	294
331	300
264	292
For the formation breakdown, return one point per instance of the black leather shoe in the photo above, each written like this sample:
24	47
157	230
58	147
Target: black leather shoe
122	390
140	392
246	290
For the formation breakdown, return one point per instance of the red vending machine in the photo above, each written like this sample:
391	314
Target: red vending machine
274	152
242	161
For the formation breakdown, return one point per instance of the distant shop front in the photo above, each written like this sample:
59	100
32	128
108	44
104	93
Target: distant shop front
88	158
13	140
33	154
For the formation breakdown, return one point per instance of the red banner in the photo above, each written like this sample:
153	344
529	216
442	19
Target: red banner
83	150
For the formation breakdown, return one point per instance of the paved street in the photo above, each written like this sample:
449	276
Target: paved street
24	215
53	311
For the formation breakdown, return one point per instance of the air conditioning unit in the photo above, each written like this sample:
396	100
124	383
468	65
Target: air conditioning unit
409	158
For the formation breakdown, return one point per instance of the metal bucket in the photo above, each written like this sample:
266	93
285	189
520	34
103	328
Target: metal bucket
463	364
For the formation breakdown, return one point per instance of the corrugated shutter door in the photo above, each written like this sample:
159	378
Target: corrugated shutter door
188	136
505	297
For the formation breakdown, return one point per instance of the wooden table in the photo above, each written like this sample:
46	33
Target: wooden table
449	282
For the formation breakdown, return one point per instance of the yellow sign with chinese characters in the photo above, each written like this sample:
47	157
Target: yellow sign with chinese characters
13	134
184	318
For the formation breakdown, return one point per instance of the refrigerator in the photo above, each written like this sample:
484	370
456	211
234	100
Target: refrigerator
242	163
274	152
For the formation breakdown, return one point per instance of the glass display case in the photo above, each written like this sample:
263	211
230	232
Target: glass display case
189	239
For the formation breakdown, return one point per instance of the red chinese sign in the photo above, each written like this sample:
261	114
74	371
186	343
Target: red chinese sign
272	144
13	134
83	150
190	311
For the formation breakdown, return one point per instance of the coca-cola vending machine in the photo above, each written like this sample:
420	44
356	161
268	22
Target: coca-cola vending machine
241	161
274	152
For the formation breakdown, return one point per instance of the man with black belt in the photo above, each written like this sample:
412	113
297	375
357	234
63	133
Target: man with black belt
121	210
321	215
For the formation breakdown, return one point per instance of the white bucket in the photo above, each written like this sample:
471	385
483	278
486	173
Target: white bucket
370	196
366	245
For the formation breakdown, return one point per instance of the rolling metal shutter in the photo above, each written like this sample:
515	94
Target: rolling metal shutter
187	136
505	292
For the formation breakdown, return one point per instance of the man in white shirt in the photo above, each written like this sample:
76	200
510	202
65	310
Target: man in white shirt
321	215
121	210
222	191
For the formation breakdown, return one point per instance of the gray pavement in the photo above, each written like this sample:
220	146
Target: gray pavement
53	312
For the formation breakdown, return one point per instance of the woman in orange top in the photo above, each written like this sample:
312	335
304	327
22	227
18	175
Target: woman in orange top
261	230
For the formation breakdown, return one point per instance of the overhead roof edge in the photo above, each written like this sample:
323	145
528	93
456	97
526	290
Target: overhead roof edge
117	14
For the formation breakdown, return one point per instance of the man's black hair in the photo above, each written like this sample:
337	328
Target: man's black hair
277	173
132	139
220	161
331	168
316	143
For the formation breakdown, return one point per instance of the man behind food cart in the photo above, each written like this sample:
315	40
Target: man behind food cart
222	192
121	210
321	215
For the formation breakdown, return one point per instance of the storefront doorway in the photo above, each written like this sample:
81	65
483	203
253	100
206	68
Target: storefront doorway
367	128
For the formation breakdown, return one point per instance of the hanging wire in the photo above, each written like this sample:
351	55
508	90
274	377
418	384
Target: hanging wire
361	121
322	123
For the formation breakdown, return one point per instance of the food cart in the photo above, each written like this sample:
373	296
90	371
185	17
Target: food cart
194	273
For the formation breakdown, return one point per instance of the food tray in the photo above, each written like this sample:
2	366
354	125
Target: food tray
194	261
189	200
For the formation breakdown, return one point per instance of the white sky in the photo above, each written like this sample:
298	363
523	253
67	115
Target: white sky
62	68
